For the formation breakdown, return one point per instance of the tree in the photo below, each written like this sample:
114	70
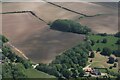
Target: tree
75	73
117	34
59	67
92	42
97	41
12	71
67	73
19	59
106	51
4	39
17	73
118	42
92	55
111	60
116	60
102	34
110	67
27	64
80	71
115	65
104	40
116	53
98	49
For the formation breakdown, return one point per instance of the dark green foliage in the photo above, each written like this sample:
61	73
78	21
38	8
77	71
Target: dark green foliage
92	55
52	70
118	76
19	59
26	64
3	39
67	73
75	73
10	68
11	71
111	60
6	71
97	41
110	67
92	42
69	26
98	49
116	60
117	34
118	42
104	40
102	34
115	65
17	73
80	71
116	53
106	51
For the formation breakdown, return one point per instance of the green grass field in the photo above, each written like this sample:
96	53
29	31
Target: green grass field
111	40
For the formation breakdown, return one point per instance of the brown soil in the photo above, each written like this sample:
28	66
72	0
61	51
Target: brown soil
35	39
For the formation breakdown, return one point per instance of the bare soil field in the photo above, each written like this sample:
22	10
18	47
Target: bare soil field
19	25
43	10
86	7
102	24
34	38
106	23
0	24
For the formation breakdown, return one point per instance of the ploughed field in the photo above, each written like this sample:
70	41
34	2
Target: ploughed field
41	44
43	10
107	22
35	39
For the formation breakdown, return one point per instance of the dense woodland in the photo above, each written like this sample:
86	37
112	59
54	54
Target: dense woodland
69	26
69	64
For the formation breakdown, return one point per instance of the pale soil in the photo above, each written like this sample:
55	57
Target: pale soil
107	23
102	24
45	11
87	8
19	26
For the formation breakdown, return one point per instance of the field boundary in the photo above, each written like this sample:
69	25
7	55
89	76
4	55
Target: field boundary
31	12
73	10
